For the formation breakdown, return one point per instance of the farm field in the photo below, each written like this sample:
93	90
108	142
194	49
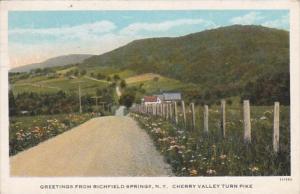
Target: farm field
191	152
149	82
154	83
42	85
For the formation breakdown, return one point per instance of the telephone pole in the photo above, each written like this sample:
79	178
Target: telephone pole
103	103
79	95
96	99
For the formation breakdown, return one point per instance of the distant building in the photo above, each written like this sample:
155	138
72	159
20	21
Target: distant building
151	100
169	97
72	77
24	112
164	97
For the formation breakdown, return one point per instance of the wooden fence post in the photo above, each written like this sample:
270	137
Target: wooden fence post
171	111
193	115
175	112
153	109
247	121
167	111
276	127
183	112
223	119
206	119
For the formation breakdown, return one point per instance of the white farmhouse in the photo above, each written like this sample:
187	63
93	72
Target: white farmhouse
151	100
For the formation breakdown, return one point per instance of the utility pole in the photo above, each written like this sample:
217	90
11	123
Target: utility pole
79	95
103	103
96	99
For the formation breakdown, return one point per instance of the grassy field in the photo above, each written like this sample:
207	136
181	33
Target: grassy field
28	131
156	86
151	83
43	85
191	152
142	78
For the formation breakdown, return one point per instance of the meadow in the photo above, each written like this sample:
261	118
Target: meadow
28	131
41	84
192	152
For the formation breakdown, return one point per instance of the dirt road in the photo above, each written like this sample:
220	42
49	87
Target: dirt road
105	146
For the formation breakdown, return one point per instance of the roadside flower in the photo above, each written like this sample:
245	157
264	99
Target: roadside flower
211	172
156	130
254	169
172	147
193	172
154	124
263	118
173	142
223	157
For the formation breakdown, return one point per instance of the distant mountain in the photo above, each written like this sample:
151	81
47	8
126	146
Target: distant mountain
222	60
53	62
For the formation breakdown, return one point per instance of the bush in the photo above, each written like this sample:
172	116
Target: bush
127	99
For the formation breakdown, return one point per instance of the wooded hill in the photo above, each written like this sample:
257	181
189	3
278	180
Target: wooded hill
236	62
250	61
53	62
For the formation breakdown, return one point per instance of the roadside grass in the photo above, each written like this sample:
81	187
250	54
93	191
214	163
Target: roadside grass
191	152
28	131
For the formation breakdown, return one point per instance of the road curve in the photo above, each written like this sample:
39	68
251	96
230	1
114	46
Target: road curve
105	146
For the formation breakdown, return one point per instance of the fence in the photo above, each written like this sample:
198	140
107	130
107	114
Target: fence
170	111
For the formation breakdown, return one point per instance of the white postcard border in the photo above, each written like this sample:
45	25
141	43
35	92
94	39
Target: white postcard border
271	184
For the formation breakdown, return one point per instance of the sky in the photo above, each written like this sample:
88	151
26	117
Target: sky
34	36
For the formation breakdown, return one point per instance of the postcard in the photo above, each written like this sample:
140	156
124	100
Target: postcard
149	97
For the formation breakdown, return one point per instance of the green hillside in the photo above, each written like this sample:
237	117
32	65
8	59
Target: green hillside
236	62
221	61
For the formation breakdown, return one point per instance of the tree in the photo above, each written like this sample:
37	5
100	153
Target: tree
127	99
82	72
156	78
76	72
12	104
100	76
116	77
123	84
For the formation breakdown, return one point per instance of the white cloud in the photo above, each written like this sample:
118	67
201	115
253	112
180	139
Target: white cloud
22	54
135	28
247	19
282	22
79	31
91	38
